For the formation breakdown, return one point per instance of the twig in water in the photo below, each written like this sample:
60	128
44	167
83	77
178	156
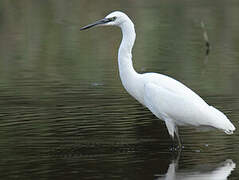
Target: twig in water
205	36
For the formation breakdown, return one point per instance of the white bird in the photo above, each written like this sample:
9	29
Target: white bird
167	98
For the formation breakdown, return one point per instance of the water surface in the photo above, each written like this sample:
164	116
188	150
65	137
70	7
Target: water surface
64	113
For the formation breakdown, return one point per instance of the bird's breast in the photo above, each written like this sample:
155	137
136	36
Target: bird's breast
134	86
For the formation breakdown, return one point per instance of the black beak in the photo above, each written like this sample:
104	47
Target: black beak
102	21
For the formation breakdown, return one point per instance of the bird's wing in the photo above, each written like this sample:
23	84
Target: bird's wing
175	103
173	86
172	107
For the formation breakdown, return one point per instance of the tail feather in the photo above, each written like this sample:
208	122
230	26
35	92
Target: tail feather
222	121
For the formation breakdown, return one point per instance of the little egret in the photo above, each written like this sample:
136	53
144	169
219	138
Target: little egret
165	97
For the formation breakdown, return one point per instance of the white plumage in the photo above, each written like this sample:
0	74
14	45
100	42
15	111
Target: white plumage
165	97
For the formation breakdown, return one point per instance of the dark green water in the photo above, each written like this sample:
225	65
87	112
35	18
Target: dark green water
64	113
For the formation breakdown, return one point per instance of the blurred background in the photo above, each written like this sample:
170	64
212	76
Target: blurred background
63	110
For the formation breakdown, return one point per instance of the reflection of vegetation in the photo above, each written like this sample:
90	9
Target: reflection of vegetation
43	40
49	71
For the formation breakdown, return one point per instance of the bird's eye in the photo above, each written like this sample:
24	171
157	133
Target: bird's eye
112	18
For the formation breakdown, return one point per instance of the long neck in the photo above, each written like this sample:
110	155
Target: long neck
129	77
124	54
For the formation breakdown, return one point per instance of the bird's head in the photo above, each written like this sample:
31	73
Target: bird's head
115	18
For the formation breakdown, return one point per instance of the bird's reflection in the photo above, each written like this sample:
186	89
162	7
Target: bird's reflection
220	172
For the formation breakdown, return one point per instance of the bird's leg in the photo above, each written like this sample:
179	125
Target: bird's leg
174	144
180	146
